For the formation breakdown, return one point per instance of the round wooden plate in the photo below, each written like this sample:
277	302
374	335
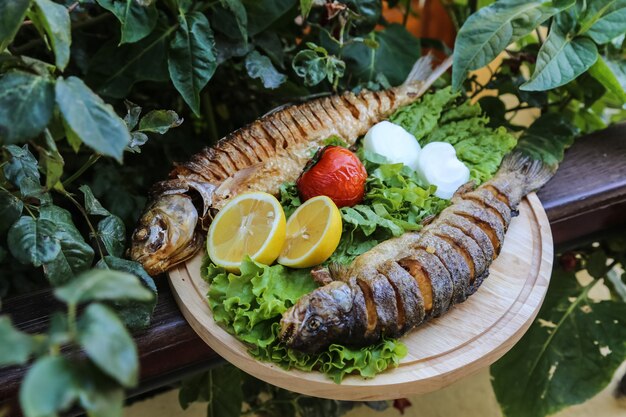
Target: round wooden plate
469	337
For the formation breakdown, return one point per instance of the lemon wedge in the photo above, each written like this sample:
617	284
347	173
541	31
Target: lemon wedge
250	224
313	233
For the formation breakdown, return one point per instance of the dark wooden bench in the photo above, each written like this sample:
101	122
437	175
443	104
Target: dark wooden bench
587	196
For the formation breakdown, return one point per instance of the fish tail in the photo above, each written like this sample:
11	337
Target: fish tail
534	173
423	75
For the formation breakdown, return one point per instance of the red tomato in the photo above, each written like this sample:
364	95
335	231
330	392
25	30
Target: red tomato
335	172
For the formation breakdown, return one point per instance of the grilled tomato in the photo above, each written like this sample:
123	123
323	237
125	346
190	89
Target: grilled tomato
335	172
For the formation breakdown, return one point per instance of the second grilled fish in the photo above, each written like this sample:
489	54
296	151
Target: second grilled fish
406	281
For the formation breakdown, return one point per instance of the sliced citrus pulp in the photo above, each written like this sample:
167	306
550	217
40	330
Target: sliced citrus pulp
313	233
250	224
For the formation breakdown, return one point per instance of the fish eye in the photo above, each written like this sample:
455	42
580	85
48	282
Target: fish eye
141	234
313	324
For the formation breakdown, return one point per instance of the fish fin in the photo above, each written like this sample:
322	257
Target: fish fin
424	73
230	185
533	171
321	275
339	272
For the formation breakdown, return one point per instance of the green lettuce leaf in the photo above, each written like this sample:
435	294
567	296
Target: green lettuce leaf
250	306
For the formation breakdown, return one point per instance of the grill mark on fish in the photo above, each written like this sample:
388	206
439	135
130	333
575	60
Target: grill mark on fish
461	251
301	122
260	135
358	104
320	113
407	293
292	126
488	206
288	139
274	134
350	106
244	152
259	151
473	231
451	260
370	307
345	114
415	269
498	194
489	231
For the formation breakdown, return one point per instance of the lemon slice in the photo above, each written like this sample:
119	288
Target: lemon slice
313	233
250	224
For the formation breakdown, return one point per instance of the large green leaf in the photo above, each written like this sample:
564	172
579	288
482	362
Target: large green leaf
263	13
50	161
97	393
159	121
112	233
225	393
239	11
103	284
75	256
569	354
192	58
21	170
486	33
92	205
604	20
48	387
260	66
10	210
56	21
115	69
602	72
393	54
561	59
33	241
135	314
547	138
12	14
94	121
26	104
108	344
138	18
16	346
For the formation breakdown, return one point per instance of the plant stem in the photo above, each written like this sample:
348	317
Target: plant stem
92	229
71	319
539	36
210	115
92	160
520	107
407	12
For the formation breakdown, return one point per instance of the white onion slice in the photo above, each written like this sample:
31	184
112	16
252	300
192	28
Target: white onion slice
438	165
393	142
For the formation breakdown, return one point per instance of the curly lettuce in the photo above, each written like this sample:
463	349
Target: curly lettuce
250	306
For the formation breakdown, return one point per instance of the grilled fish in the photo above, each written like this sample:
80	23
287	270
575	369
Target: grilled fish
259	157
408	280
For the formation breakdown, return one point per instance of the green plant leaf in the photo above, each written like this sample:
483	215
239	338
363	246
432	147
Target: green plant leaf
33	241
56	22
138	18
239	11
192	57
115	69
393	56
112	233
10	210
103	284
132	114
260	66
75	256
26	104
226	395
94	121
567	356
603	20
48	387
159	121
50	161
99	394
21	170
305	7
107	343
12	15
16	346
560	60
547	138
487	32
92	205
135	314
263	13
605	75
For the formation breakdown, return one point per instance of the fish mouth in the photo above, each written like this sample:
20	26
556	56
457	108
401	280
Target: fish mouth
289	325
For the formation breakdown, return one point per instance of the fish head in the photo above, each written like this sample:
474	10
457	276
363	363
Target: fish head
166	234
318	318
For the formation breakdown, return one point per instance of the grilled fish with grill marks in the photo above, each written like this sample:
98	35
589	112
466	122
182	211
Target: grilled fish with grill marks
259	157
408	280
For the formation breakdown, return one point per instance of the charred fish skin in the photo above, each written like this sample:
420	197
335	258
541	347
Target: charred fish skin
269	152
428	272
